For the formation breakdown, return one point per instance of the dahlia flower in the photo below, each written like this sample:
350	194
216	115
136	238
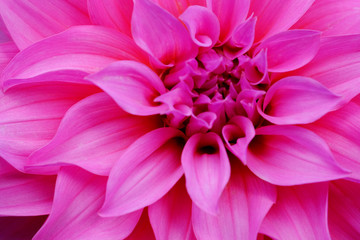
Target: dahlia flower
179	120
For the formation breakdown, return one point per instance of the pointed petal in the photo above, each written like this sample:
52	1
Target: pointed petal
230	14
177	7
85	48
238	135
341	131
150	25
78	197
298	100
301	211
207	169
344	210
143	229
132	85
336	66
290	50
170	217
332	17
112	13
145	172
290	155
31	21
30	115
24	194
20	228
94	128
236	221
275	16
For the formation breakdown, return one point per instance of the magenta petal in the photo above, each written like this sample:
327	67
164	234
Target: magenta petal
78	197
170	217
85	48
275	16
238	134
344	210
147	170
203	26
8	50
177	7
20	228
31	21
150	25
24	194
94	128
300	213
143	230
133	86
30	115
112	13
290	50
242	207
207	169
298	100
290	155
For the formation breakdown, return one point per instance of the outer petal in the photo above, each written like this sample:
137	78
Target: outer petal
242	207
297	100
143	229
332	17
133	86
24	194
151	26
207	170
145	172
337	65
33	20
290	155
93	129
344	210
341	131
170	217
30	115
78	197
275	16
8	50
85	48
230	14
20	228
112	13
290	50
300	213
177	7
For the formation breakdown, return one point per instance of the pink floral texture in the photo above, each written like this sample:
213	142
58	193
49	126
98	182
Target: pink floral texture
175	120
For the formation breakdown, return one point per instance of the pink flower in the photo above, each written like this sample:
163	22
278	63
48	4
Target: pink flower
173	119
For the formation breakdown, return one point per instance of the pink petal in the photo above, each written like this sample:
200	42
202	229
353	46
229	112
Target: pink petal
337	65
177	7
300	213
290	155
170	217
332	17
145	172
341	131
4	33
20	228
203	26
133	86
298	100
242	207
94	128
207	170
30	115
85	48
238	134
230	14
290	50
150	25
143	229
112	13
344	210
275	16
31	21
78	197
24	194
8	50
